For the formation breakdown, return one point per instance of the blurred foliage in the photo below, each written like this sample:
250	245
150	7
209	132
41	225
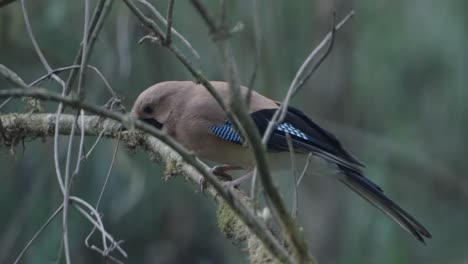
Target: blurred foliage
394	90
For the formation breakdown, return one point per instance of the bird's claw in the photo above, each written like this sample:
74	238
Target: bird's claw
203	185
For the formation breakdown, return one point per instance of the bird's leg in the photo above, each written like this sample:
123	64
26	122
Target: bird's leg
221	172
235	183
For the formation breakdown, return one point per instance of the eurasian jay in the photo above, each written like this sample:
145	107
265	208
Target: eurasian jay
187	112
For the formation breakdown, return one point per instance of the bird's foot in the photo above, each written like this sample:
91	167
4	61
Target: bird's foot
221	172
237	182
203	184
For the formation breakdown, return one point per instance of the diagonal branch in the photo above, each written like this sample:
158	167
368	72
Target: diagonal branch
171	150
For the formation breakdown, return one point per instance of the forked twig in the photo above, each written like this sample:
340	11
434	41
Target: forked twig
280	113
161	18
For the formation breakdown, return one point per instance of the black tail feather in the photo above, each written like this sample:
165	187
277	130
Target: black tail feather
374	194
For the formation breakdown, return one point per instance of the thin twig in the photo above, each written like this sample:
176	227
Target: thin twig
36	46
85	53
223	17
56	78
170	12
294	176
67	68
95	144
257	50
66	194
280	113
59	255
38	232
56	148
101	12
104	186
19	83
106	255
161	18
332	33
80	156
209	21
97	223
108	174
282	110
304	171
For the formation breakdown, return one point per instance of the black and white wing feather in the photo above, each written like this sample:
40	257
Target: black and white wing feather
308	137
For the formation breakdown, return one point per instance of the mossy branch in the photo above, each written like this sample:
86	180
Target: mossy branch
18	128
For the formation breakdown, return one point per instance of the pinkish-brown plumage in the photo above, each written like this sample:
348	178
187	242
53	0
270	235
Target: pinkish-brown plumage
187	110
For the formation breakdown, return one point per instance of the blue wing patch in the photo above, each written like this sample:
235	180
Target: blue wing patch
288	128
226	132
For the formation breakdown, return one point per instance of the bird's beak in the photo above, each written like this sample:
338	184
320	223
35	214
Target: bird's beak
150	121
153	122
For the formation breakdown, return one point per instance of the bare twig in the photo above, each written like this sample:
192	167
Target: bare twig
47	222
59	255
161	18
104	186
80	156
15	80
56	78
12	77
106	255
78	202
66	194
68	181
304	171
332	34
108	174
207	18
85	53
170	10
36	46
257	50
94	144
97	21
280	113
293	175
56	148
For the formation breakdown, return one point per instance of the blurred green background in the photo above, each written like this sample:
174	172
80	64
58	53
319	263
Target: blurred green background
394	89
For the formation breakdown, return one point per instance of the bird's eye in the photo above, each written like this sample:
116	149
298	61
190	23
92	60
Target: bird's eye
148	109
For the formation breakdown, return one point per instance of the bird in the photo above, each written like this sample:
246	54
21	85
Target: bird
188	113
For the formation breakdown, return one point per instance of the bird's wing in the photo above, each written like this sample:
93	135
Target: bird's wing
308	137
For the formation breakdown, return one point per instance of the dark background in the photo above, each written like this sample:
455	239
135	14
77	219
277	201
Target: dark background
394	89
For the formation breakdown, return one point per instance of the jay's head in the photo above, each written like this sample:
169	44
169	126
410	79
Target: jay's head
155	104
